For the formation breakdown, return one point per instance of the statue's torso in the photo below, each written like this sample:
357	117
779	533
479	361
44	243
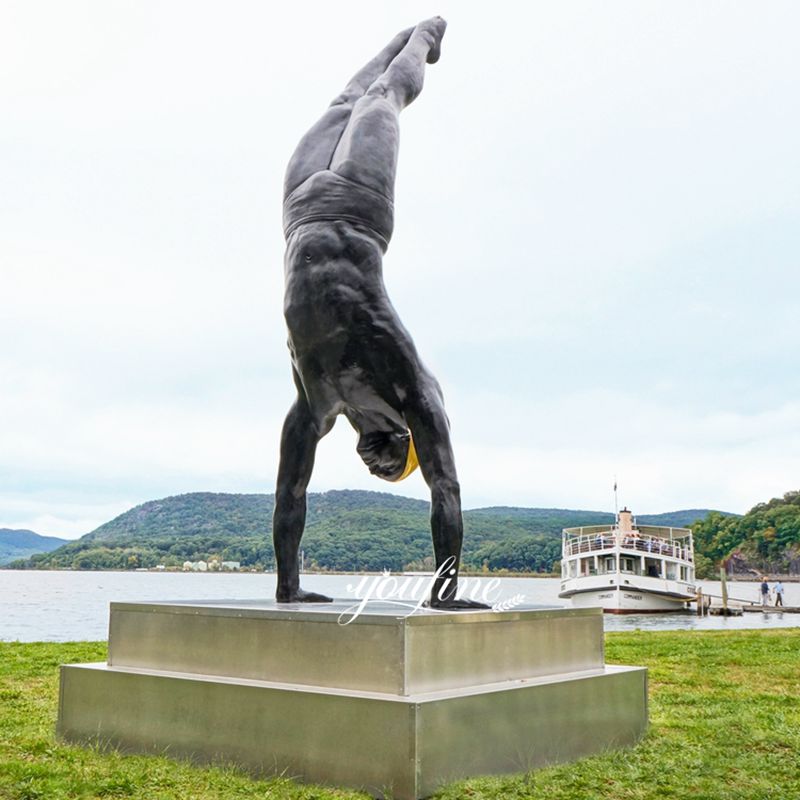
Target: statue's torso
348	346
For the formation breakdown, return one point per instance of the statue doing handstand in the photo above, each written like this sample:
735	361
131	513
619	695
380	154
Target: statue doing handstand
350	353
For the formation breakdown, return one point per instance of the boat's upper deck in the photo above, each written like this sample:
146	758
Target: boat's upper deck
648	539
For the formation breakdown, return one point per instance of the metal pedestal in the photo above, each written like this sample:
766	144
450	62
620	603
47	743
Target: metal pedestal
390	704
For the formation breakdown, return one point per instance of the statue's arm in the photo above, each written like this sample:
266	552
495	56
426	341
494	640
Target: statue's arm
298	448
431	431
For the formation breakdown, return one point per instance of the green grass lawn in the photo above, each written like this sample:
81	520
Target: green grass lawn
724	723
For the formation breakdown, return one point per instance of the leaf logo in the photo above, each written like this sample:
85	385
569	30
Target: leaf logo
509	603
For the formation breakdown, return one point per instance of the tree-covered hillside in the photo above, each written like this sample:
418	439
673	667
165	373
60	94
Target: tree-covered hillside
19	543
345	530
766	539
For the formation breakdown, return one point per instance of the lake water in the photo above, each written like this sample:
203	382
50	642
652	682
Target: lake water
73	606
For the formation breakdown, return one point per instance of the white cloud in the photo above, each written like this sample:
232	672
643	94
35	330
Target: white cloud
64	518
596	247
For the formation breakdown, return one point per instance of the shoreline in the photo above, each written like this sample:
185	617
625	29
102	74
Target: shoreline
771	578
462	574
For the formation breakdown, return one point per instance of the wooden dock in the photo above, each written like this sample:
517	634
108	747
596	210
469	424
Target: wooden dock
726	606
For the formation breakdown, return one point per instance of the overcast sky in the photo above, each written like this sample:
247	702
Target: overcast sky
596	248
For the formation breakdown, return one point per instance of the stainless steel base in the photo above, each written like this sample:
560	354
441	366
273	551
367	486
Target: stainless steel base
431	720
382	649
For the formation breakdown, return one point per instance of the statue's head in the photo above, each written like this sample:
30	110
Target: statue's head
390	455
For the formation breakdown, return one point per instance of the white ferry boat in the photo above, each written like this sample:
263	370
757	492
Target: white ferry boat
628	569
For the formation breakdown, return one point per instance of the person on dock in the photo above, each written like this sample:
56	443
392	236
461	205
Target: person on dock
764	592
778	589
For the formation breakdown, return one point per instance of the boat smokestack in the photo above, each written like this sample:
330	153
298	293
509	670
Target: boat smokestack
625	520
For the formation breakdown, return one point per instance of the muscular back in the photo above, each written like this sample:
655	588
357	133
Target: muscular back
350	351
333	275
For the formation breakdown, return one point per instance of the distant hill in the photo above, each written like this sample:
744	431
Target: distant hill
16	544
345	530
554	519
678	519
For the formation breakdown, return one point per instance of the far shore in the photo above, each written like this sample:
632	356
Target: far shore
502	573
178	571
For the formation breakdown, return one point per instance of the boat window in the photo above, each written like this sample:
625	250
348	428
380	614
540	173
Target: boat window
587	566
652	568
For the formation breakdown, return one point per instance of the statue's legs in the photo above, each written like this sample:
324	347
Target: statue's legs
316	148
367	150
357	137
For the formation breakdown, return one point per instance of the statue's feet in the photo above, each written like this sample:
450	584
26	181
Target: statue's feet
433	29
299	596
454	604
401	40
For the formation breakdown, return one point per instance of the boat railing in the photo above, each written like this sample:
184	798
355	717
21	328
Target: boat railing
592	543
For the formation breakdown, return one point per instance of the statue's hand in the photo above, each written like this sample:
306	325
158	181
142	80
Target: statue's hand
457	605
299	596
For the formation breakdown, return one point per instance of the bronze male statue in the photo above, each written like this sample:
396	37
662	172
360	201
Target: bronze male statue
350	353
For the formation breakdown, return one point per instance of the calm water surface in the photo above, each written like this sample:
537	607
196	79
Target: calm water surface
73	606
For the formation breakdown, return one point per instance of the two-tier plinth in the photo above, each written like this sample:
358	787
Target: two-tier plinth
391	704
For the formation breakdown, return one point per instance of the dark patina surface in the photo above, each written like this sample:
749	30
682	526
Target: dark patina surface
351	354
